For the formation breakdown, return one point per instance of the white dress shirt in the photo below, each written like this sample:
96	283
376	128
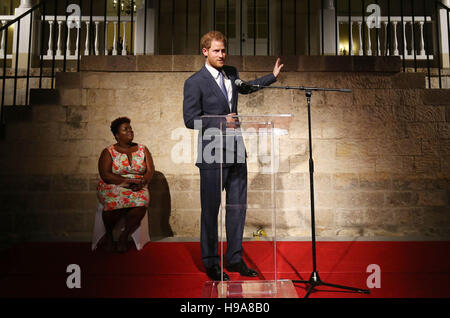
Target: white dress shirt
215	73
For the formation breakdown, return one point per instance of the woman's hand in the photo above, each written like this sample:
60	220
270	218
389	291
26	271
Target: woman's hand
139	185
129	183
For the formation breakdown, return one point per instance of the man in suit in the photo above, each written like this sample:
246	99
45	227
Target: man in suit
212	91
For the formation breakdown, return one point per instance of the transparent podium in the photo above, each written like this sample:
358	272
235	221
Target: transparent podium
251	140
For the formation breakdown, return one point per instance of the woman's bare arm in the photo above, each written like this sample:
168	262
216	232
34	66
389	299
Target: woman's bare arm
150	166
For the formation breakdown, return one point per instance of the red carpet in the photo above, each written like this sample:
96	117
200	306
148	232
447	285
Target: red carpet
174	270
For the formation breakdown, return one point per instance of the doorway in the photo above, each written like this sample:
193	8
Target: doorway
246	24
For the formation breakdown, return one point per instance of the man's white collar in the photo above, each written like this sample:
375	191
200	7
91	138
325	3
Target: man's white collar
214	72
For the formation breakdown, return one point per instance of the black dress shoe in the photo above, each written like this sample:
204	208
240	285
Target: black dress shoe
242	269
214	273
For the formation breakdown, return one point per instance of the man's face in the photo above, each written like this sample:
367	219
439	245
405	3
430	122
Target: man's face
216	54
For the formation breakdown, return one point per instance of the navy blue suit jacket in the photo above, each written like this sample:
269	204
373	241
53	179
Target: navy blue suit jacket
202	96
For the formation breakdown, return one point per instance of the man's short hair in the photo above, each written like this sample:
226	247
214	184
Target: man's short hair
206	40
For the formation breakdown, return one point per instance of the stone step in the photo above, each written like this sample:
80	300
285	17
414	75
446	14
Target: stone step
44	96
18	113
15	114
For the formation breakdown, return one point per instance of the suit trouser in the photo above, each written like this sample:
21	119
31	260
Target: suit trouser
234	181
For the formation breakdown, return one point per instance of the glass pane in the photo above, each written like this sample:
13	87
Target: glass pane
221	27
261	19
232	31
250	31
220	16
261	31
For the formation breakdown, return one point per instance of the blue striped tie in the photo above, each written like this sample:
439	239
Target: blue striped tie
222	86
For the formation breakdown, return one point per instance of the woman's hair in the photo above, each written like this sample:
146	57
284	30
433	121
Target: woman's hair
206	40
115	124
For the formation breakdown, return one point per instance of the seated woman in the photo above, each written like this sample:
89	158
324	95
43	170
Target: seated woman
126	169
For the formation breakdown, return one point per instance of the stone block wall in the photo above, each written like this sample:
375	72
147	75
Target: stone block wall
381	153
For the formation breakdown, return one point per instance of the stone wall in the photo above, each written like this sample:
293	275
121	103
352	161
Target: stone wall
382	154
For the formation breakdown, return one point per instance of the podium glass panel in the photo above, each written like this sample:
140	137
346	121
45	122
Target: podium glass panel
250	289
251	140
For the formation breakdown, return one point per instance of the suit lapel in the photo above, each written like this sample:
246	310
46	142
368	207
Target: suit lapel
234	91
211	83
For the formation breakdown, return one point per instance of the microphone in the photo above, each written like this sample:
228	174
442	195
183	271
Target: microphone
242	84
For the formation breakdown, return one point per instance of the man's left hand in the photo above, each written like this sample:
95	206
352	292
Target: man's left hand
277	68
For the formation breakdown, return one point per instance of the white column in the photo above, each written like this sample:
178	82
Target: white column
97	52
405	43
124	41
329	4
106	37
77	45
26	4
58	43
150	29
329	28
2	44
422	43
86	46
350	41
50	39
369	42
395	39
24	38
386	35
360	51
68	48
443	34
379	42
114	51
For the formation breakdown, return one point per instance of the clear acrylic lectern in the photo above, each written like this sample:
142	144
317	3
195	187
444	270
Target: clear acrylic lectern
251	140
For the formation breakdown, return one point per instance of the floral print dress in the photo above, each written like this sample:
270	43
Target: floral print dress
115	197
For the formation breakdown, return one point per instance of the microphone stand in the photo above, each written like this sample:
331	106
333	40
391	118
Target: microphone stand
314	279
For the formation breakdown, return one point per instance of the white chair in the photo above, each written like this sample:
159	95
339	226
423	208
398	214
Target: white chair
140	236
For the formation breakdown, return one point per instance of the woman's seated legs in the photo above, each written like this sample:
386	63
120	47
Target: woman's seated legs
133	217
110	220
